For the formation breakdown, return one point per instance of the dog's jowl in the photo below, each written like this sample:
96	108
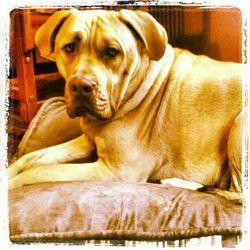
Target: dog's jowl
150	111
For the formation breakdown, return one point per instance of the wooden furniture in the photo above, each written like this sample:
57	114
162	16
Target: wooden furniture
32	79
27	63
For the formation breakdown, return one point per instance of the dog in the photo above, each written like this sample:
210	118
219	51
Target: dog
151	112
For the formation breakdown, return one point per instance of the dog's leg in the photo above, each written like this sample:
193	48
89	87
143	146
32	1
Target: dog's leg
78	148
96	171
235	152
234	162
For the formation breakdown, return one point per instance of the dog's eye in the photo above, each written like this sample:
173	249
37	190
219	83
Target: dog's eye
112	52
70	48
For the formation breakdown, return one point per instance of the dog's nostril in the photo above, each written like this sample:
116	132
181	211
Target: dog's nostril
84	86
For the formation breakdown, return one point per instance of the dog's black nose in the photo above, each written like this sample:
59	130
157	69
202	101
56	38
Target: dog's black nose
83	85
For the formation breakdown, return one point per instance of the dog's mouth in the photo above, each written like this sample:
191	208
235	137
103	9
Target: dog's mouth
96	110
81	111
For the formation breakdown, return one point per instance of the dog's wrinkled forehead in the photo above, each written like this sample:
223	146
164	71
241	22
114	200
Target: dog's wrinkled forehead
87	26
70	24
84	20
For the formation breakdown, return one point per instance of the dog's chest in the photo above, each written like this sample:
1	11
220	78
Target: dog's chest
118	141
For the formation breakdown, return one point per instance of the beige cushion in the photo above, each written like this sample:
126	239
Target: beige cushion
48	127
77	211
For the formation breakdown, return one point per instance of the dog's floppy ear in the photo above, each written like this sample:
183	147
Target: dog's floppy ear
149	30
46	34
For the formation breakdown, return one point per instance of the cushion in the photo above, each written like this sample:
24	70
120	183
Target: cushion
48	127
133	211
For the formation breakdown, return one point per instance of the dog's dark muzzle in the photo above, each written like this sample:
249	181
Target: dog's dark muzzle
82	86
85	97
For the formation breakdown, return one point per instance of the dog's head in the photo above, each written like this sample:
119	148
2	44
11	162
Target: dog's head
102	55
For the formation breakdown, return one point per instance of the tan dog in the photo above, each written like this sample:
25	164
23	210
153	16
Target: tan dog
151	112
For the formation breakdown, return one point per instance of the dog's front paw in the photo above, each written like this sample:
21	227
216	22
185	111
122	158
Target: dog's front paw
24	163
17	167
26	177
25	170
15	182
15	173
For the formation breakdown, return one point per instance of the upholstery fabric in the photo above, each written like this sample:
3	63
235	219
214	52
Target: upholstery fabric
134	211
48	127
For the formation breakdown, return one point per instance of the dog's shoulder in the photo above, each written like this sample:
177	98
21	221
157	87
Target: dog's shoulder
203	67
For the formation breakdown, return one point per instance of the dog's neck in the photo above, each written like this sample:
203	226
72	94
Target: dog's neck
150	85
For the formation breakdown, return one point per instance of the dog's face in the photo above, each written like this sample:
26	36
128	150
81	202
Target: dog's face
94	55
102	55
